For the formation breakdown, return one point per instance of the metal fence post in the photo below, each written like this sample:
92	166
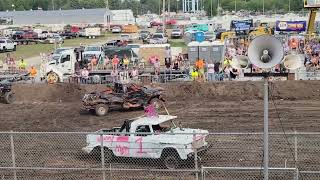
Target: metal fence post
13	156
195	157
296	153
102	159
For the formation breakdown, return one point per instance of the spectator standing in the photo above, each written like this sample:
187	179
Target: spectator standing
114	75
126	62
77	68
22	65
33	74
84	75
101	63
176	66
194	74
168	54
106	62
11	65
211	72
115	62
200	63
156	65
134	74
93	62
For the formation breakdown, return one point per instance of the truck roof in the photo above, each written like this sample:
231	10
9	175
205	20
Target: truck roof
152	120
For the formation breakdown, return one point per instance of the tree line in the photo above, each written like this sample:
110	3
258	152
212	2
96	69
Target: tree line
152	6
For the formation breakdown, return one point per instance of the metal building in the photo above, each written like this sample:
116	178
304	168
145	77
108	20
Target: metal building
191	6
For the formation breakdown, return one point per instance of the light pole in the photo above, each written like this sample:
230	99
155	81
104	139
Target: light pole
263	6
13	7
235	5
289	5
211	9
177	8
52	5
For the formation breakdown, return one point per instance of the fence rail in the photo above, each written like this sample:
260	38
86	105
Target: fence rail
59	155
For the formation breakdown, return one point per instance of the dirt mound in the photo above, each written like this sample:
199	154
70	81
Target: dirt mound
50	93
222	91
230	91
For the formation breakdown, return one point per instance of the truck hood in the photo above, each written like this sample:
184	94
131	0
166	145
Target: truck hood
182	136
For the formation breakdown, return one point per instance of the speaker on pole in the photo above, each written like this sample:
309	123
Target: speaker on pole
240	62
265	51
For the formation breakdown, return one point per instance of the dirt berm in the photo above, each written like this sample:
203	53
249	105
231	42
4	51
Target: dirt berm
222	91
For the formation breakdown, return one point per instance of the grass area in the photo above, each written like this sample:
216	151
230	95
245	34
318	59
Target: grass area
177	43
27	51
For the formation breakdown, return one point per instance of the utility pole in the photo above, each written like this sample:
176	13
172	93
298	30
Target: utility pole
211	9
52	5
263	6
163	15
169	8
218	7
235	5
289	5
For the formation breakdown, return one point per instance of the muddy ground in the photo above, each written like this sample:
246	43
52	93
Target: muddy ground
217	107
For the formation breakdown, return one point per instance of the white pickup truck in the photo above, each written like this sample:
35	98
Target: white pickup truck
146	137
7	44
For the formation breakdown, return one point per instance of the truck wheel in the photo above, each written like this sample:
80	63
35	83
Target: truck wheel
14	48
108	155
52	78
101	110
157	103
171	159
8	97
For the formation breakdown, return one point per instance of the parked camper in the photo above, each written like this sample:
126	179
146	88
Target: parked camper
92	32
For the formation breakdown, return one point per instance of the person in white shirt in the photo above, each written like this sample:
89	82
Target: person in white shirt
84	75
134	74
210	71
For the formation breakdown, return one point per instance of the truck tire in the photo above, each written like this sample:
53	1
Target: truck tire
52	78
171	159
101	109
108	154
8	98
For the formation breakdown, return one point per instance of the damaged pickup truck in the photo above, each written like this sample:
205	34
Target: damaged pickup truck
148	137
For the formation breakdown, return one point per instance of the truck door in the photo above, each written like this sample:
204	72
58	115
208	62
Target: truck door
10	44
65	64
141	143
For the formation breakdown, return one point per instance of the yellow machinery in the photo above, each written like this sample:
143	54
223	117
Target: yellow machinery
313	7
261	31
227	35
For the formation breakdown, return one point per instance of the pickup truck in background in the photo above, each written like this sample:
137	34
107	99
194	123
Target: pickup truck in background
7	44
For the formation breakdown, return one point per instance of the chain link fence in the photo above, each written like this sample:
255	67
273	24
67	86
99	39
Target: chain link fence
57	156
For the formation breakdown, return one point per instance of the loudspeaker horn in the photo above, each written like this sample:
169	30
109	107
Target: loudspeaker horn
240	62
265	51
293	61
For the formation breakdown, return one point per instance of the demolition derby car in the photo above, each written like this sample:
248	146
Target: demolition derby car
122	96
149	137
6	80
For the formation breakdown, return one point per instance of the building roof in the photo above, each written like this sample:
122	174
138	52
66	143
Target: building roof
77	16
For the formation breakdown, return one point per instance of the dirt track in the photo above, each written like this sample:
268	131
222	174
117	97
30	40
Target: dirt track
219	107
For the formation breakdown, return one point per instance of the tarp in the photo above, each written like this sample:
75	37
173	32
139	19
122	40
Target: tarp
291	26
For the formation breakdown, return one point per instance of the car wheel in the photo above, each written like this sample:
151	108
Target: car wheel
8	98
171	160
101	109
157	103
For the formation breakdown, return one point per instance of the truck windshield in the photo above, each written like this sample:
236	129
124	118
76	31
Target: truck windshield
157	36
92	48
1	41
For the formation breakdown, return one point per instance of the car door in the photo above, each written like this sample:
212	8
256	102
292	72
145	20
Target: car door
65	65
141	143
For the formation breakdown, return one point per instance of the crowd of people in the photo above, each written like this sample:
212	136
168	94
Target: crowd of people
11	65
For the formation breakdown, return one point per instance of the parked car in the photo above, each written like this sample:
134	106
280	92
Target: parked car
176	33
155	137
156	23
126	38
116	29
69	35
54	38
7	44
123	96
144	35
158	38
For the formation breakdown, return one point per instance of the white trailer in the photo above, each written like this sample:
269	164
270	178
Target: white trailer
92	32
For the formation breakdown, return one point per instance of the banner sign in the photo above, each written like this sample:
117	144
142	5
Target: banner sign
241	25
290	26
